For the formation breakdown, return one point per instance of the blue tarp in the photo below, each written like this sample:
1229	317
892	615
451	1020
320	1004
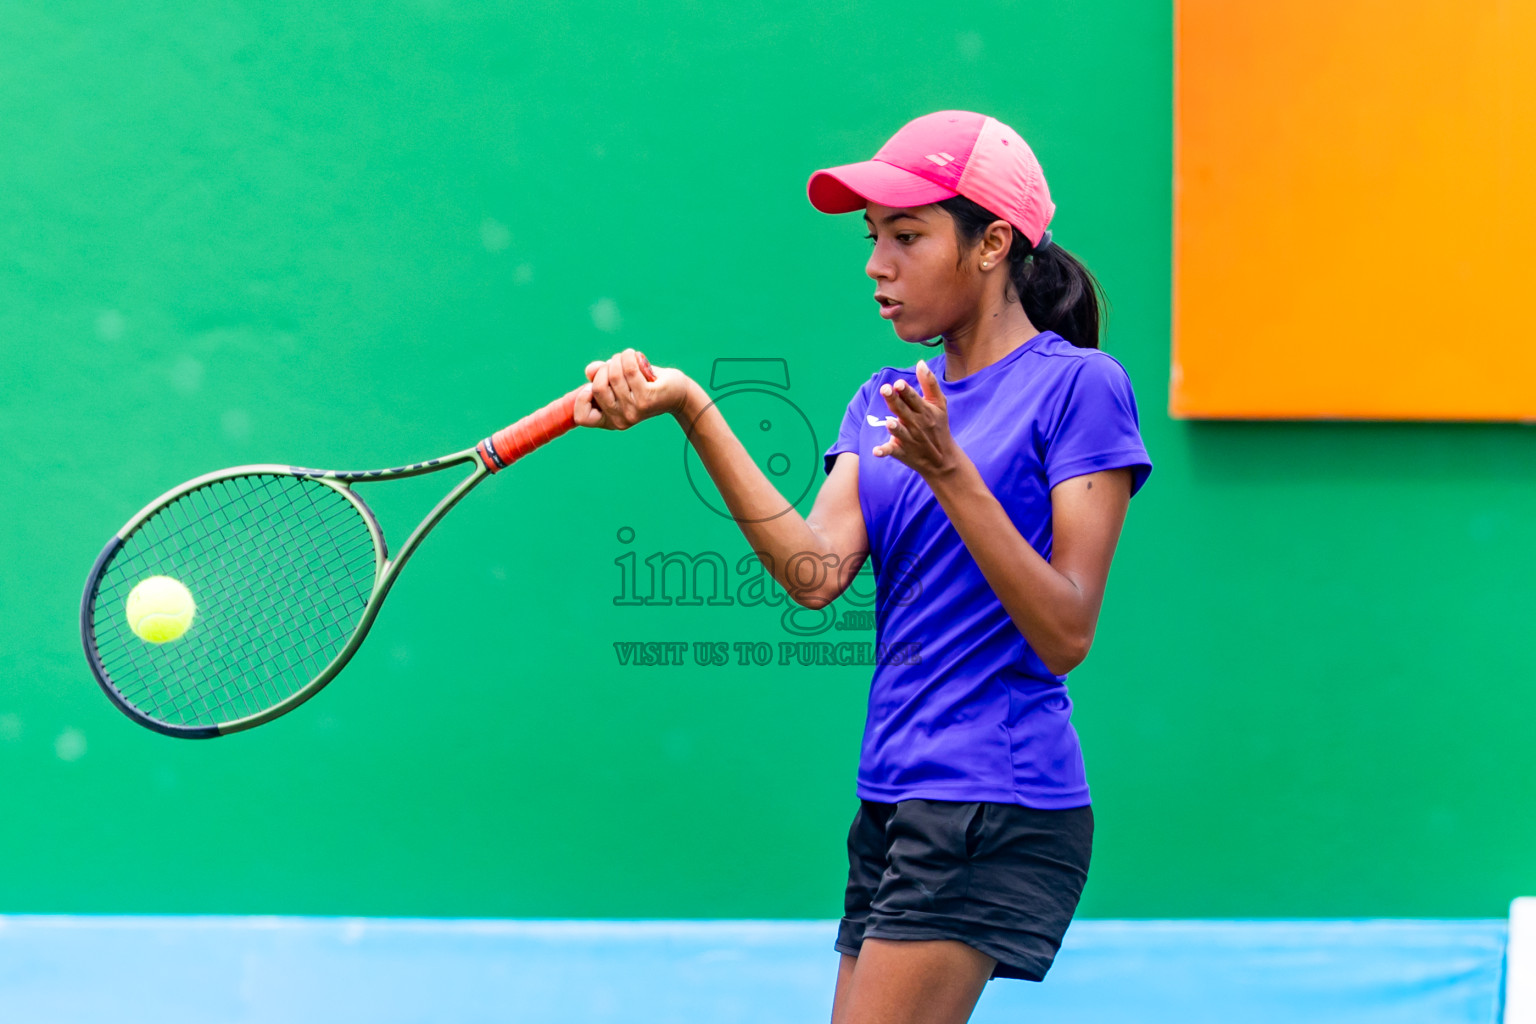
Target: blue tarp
254	970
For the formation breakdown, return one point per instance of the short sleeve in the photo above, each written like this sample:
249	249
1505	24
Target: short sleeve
853	421
1098	427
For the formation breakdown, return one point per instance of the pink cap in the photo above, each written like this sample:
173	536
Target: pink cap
939	156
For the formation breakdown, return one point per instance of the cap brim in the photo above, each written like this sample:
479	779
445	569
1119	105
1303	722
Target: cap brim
852	186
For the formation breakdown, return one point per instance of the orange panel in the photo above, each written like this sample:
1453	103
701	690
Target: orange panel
1355	209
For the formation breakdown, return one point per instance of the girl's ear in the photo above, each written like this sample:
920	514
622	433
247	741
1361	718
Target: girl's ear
995	243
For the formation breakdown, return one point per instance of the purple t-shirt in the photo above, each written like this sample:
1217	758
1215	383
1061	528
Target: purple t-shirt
970	712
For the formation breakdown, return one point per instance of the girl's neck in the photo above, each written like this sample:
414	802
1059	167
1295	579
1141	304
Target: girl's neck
998	328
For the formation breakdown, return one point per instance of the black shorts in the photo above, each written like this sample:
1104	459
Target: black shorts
1001	878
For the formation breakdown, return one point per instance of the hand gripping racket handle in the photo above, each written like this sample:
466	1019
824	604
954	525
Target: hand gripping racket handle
509	444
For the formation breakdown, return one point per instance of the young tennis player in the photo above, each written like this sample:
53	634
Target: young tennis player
989	487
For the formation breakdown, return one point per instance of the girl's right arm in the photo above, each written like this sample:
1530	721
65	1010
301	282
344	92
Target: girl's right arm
815	557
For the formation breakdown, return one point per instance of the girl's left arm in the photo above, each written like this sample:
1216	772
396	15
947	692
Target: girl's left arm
1055	604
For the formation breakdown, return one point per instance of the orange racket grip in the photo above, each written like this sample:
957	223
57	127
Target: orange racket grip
537	429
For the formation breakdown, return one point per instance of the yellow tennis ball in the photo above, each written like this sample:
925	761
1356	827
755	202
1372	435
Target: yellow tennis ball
160	609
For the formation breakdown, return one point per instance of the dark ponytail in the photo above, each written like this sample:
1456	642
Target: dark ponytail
1058	293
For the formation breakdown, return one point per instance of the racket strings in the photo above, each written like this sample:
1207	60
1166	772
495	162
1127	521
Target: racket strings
183	524
230	655
294	661
281	568
238	655
190	522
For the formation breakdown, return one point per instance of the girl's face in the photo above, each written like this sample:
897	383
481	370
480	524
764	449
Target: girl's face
925	285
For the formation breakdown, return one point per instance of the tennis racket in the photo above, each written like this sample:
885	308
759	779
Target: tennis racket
288	568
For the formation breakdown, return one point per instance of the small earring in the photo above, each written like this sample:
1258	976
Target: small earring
985	264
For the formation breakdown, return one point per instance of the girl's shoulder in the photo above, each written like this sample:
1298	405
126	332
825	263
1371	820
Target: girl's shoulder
1075	369
1052	347
1048	361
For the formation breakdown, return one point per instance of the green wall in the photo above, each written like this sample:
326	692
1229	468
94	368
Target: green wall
357	234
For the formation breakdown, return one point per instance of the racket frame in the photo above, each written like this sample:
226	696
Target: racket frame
490	456
386	571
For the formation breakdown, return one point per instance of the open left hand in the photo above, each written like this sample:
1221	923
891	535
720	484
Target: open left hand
919	425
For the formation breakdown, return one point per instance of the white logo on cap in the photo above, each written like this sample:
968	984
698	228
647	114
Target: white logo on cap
942	159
